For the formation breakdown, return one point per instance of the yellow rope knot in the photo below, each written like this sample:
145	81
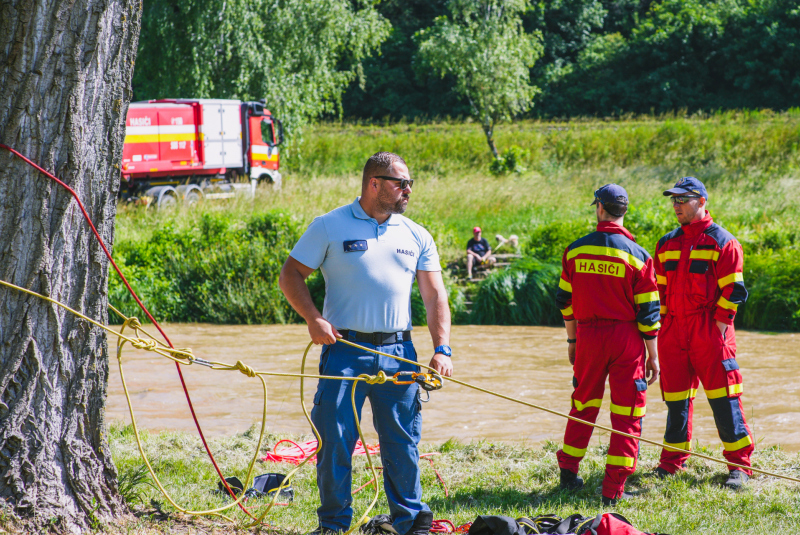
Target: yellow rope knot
132	322
245	369
182	354
376	379
147	345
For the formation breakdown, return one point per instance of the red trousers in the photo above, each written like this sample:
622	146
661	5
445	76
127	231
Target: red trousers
614	350
692	350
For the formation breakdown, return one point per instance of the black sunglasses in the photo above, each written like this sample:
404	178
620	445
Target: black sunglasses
683	199
404	182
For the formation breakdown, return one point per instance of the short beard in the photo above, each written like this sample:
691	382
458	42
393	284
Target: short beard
386	205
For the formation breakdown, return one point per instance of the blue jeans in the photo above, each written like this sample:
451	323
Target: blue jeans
397	419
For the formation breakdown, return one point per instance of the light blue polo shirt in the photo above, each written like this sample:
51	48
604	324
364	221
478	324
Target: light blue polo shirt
368	268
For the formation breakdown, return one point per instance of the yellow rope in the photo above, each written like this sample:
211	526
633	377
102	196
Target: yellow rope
185	357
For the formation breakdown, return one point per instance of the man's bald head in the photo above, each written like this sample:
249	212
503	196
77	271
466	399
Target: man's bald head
379	164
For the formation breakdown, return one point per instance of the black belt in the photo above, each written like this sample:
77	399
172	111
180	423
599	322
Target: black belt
376	339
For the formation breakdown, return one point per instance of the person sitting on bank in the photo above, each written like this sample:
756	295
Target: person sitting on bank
478	252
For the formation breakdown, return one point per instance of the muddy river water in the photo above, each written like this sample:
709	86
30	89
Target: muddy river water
524	362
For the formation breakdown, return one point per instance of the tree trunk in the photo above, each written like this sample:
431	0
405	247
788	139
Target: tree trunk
65	73
488	129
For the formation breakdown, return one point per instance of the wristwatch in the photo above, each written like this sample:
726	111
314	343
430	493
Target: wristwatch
444	350
571	340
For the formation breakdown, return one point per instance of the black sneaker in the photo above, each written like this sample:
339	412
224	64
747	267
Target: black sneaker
610	502
661	473
736	479
570	480
422	523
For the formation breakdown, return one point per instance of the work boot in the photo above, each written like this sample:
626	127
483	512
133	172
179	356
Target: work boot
570	480
736	479
422	523
661	473
611	502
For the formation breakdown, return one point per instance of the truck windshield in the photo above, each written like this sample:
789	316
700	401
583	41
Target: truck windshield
267	134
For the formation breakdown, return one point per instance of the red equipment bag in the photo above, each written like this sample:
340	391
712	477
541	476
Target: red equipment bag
609	524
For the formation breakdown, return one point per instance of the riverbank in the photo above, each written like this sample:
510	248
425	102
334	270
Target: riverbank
219	262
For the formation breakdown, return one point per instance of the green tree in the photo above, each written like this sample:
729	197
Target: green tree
300	55
482	43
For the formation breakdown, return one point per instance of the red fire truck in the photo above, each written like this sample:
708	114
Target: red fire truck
184	150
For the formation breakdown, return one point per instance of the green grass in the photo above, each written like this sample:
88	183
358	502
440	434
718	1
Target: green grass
483	478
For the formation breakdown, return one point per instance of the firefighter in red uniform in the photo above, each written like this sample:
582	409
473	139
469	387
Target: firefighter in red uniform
699	271
608	287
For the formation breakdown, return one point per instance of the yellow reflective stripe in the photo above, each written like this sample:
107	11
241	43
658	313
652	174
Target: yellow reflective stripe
739	444
575	452
705	255
669	255
730	279
159	138
567	311
626	411
735	389
618	460
678	396
724	303
663	310
606	251
142	138
682	445
646	328
619	409
564	285
661	280
717	393
591	403
645	297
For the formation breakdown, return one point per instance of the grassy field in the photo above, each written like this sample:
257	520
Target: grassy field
482	478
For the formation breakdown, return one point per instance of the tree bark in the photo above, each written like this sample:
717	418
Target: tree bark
65	74
488	129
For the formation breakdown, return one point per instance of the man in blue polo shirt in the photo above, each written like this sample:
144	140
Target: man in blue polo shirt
370	255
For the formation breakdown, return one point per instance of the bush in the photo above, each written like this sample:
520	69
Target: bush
547	242
510	161
524	294
222	270
773	303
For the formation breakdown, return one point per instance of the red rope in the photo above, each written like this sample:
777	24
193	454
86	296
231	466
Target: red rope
446	526
141	305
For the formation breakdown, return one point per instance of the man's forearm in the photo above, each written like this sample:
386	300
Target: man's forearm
572	329
293	286
652	347
439	321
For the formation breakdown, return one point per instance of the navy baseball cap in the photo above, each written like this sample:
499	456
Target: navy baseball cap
611	193
688	184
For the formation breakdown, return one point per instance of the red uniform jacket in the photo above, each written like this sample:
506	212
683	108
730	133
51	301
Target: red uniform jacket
606	275
699	267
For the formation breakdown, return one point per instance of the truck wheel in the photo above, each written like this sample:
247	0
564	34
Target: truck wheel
166	197
191	194
193	197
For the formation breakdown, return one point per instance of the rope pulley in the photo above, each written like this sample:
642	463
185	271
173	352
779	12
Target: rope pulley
427	381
